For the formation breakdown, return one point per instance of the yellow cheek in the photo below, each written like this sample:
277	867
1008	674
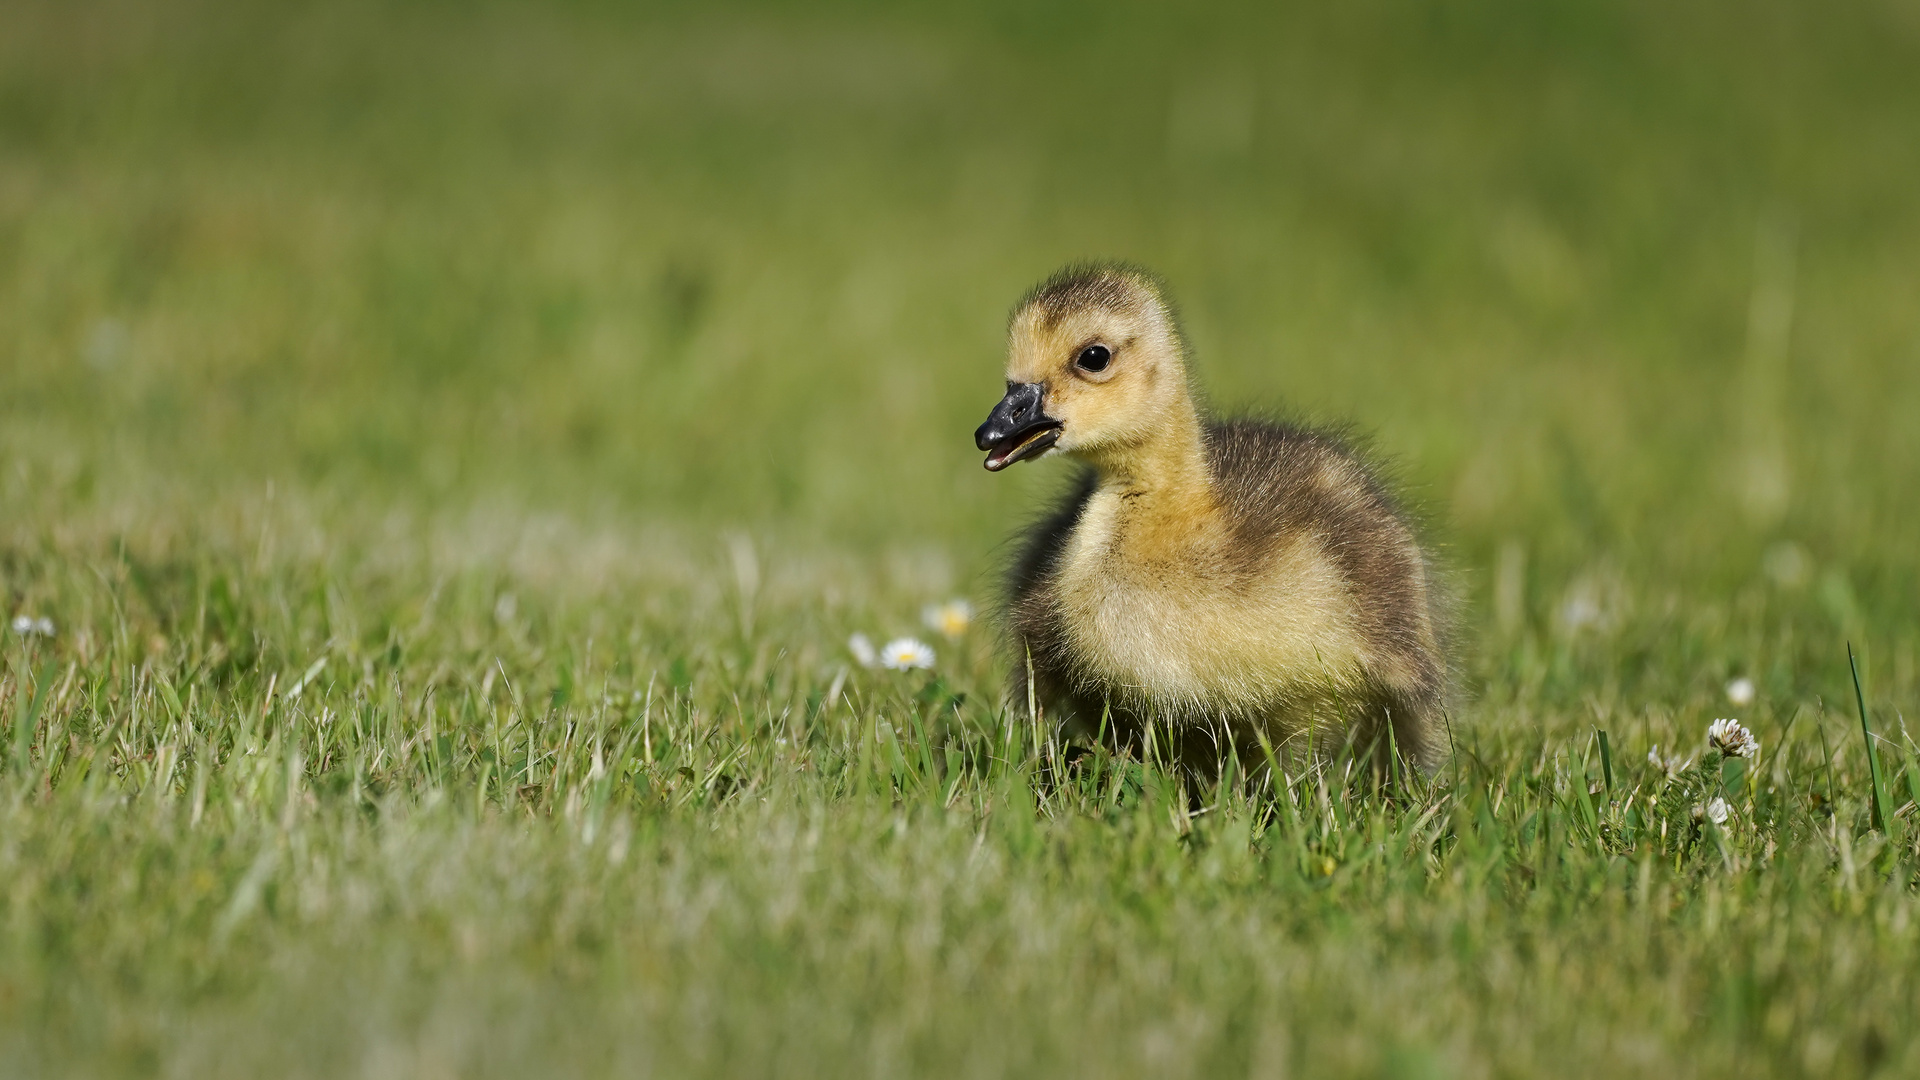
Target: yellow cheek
1093	410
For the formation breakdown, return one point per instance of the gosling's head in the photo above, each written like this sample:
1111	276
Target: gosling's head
1095	368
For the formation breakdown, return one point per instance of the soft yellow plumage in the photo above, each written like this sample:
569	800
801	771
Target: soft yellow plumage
1237	582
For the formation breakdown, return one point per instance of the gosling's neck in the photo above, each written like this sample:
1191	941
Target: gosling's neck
1162	481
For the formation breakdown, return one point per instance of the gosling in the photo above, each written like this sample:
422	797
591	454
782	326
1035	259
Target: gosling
1241	588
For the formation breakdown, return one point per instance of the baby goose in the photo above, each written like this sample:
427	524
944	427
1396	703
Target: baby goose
1222	581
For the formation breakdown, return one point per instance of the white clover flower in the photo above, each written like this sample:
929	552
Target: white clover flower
1581	611
950	619
1668	766
1740	691
1731	738
28	626
1717	810
862	649
906	654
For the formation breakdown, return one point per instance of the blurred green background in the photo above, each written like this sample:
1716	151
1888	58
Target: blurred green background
1633	280
401	404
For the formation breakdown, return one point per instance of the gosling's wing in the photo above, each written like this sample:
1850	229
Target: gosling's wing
1032	612
1040	545
1278	482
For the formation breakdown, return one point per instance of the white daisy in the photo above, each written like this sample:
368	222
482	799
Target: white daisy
906	654
1740	691
862	649
1732	738
950	619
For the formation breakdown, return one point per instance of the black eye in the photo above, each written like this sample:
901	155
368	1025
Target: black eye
1094	358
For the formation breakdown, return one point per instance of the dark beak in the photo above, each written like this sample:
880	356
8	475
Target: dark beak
1017	428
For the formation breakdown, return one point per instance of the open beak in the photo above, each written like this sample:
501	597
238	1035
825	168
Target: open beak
1017	428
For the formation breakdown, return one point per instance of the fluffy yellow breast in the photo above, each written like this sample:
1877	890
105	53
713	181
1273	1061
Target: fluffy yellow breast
1161	610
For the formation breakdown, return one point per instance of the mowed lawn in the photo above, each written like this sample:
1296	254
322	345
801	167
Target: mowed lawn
445	449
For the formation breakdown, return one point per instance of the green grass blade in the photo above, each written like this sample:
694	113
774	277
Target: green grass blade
1606	761
1880	816
27	716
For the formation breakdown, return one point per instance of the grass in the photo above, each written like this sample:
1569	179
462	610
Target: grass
453	445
